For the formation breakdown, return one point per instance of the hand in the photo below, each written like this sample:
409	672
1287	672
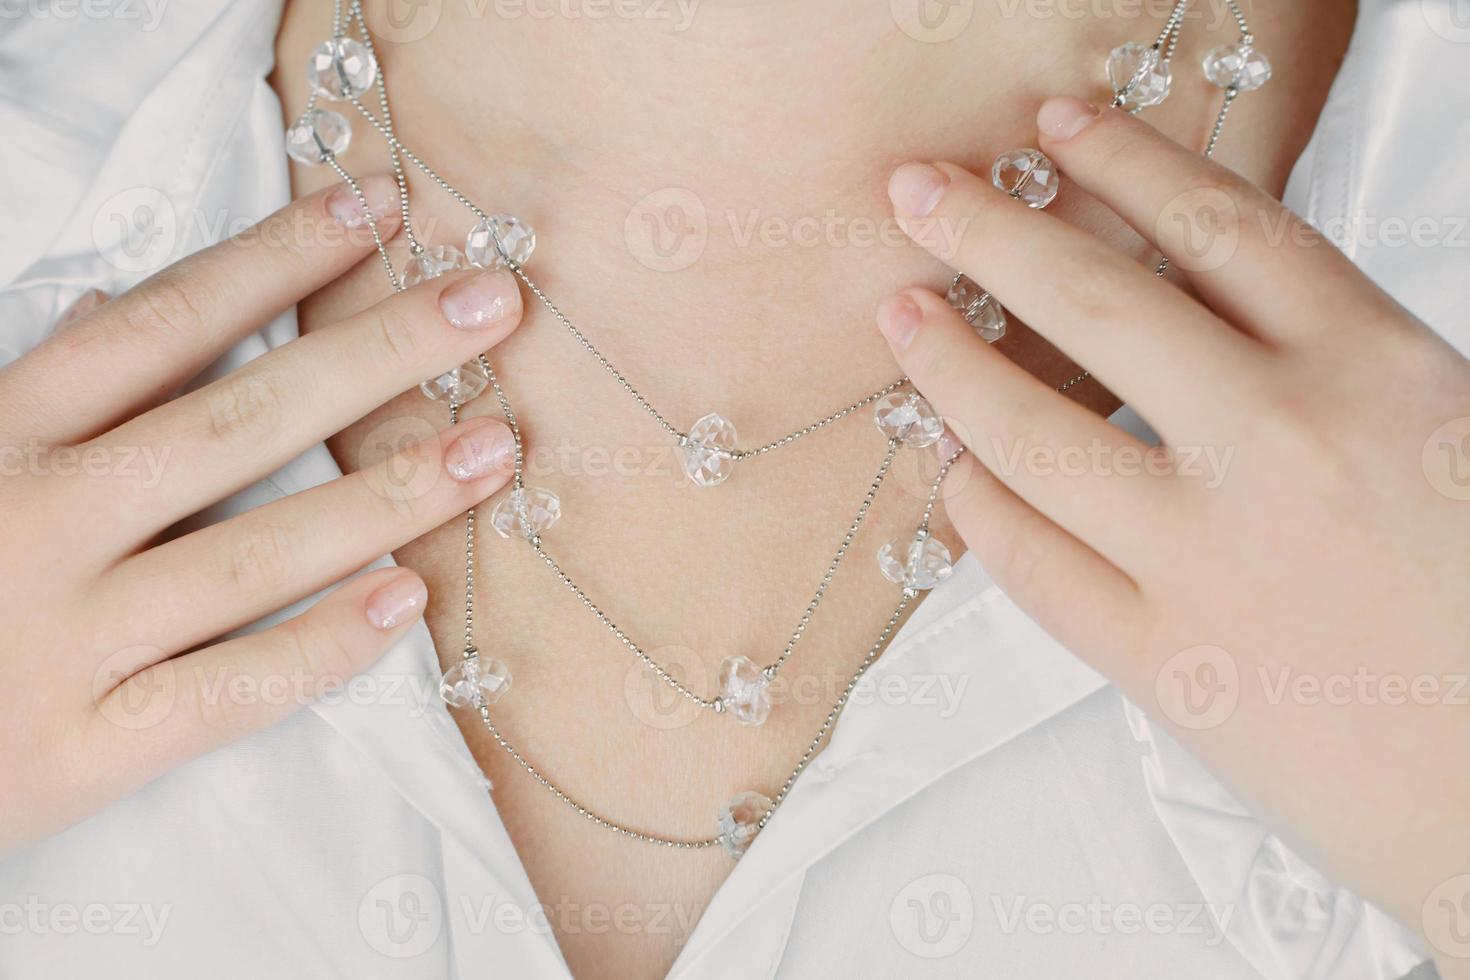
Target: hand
111	672
1302	518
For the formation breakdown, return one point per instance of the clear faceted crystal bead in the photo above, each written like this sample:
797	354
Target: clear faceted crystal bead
317	133
432	263
518	238
462	384
1139	76
707	450
746	690
980	309
473	680
1238	66
526	511
1027	175
907	417
341	69
739	821
920	562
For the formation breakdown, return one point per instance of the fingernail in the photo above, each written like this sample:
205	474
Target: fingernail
400	601
80	307
480	453
899	318
483	299
381	194
915	188
1063	117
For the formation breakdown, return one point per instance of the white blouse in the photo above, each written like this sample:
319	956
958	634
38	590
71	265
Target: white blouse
1021	821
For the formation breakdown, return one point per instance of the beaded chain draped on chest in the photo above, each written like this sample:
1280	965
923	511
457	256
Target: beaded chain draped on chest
345	69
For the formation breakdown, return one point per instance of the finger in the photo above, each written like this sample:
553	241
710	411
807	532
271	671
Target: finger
182	708
1141	336
134	350
222	577
1063	460
80	307
1085	602
1242	250
229	433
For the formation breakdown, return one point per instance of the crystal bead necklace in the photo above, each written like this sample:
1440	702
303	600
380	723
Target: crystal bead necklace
345	68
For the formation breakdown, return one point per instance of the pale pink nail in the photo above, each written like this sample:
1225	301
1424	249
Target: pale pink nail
400	601
915	189
899	318
480	453
380	192
1063	117
481	300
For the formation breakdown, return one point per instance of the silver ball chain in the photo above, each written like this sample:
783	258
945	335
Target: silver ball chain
1163	47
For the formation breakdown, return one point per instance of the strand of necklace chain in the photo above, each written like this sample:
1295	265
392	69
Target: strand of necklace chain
741	668
343	69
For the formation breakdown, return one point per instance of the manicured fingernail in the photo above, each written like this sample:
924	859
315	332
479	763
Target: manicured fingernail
481	300
1063	117
899	318
915	188
478	454
400	601
80	307
380	192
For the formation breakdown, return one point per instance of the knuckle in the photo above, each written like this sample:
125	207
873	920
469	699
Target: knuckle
173	302
280	231
259	558
958	232
216	703
244	405
402	488
1016	559
1092	289
1206	201
1016	435
1293	430
1113	148
394	340
315	651
930	364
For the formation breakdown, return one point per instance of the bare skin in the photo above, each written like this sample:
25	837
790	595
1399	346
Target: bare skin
573	124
